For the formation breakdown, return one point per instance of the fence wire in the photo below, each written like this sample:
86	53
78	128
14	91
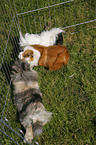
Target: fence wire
33	16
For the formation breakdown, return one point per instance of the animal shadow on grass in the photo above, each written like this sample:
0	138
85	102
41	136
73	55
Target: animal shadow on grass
6	67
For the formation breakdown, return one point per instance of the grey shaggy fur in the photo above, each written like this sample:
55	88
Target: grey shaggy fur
28	100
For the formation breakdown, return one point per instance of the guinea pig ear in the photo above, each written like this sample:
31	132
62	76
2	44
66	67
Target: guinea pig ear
25	66
59	39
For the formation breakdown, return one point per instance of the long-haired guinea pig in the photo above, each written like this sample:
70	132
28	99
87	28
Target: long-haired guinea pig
28	100
51	57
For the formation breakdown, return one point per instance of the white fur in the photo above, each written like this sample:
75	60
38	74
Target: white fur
45	38
39	115
45	116
36	56
20	55
21	86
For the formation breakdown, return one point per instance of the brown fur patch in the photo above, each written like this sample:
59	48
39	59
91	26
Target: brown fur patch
53	57
28	53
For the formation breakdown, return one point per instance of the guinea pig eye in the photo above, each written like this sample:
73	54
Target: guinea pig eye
23	55
26	55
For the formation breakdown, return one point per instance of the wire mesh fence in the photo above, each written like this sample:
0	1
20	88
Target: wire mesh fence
33	16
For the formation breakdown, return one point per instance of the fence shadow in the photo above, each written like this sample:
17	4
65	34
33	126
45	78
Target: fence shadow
6	67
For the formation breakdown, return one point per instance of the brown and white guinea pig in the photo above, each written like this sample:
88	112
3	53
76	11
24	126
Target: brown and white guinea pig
51	57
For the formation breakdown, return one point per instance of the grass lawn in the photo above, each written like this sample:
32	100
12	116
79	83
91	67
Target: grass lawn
68	93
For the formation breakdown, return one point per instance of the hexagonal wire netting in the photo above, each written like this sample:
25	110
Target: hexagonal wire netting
33	16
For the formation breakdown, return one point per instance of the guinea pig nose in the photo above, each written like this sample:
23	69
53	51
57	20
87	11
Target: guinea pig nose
31	55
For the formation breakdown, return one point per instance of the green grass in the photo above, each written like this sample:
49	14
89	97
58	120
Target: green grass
68	93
